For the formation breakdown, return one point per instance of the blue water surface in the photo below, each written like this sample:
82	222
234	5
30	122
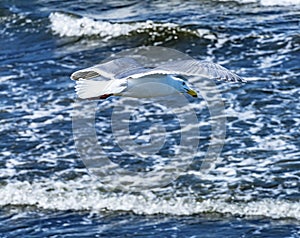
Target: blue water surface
45	188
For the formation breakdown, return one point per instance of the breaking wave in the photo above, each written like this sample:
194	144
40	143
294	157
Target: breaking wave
76	26
88	196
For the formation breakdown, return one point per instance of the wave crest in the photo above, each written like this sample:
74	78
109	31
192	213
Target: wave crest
86	195
67	25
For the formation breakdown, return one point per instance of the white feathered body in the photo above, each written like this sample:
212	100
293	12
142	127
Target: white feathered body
150	86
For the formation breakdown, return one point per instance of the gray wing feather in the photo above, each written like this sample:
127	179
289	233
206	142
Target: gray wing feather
128	68
193	68
114	69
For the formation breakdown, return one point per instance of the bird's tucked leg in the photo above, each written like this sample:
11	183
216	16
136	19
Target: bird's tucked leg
104	96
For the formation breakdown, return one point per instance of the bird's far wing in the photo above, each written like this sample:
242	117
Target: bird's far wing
107	70
193	68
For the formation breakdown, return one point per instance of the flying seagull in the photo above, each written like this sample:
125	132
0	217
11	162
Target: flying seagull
126	77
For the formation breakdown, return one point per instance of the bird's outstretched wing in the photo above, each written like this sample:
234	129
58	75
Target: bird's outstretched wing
109	70
193	68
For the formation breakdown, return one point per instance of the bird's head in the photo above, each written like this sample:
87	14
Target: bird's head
183	87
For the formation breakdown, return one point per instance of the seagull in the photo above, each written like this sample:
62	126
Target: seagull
128	78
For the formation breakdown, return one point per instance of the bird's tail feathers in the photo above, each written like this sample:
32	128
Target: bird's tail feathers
90	88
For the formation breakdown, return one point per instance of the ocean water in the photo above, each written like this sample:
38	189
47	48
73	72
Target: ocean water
45	188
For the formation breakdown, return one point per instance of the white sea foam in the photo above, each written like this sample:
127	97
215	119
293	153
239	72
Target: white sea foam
86	195
268	2
8	77
75	26
279	2
86	26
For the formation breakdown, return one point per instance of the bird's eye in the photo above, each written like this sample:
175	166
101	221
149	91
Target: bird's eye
183	83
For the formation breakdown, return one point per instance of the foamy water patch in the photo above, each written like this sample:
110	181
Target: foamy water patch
86	195
8	77
279	2
267	2
75	26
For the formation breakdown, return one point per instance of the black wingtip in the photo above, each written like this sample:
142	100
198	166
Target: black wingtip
84	74
242	80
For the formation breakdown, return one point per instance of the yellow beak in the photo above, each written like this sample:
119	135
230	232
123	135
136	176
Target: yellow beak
192	93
